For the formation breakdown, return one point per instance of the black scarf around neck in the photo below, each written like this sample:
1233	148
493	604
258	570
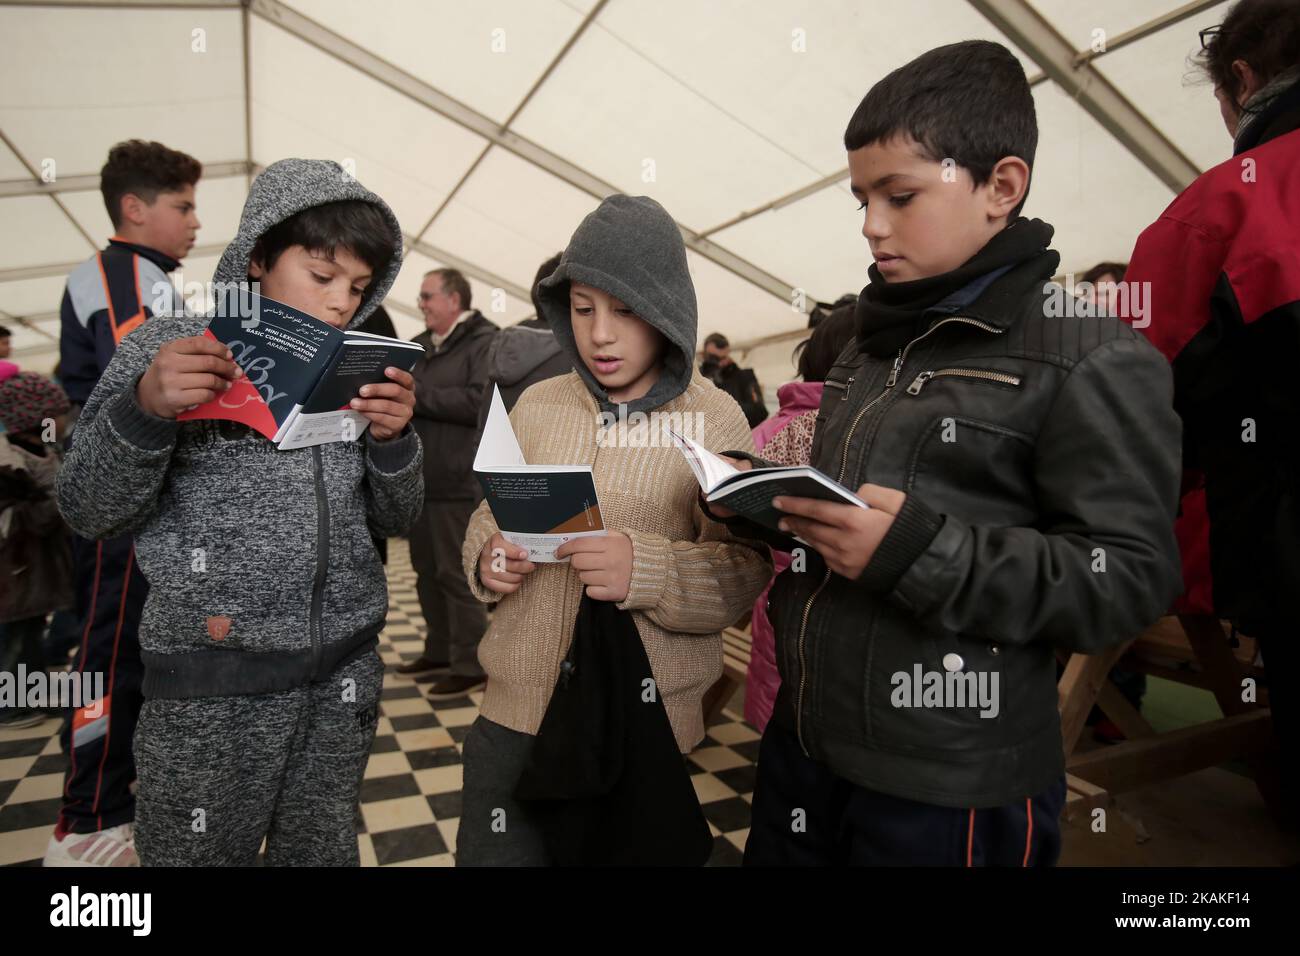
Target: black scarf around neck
891	314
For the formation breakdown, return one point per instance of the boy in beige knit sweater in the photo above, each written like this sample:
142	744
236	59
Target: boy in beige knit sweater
622	304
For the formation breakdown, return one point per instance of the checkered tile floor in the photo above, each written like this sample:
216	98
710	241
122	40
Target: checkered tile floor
410	801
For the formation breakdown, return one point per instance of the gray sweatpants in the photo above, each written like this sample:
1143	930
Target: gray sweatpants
217	774
494	828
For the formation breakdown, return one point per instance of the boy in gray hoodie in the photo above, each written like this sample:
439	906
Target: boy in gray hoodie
622	305
266	594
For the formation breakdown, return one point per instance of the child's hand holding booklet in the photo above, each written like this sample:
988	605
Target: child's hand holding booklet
299	374
537	507
749	491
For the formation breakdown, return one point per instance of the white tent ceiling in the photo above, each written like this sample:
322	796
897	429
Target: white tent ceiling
493	126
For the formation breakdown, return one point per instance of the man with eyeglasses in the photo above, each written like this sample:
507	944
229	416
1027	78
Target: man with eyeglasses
449	384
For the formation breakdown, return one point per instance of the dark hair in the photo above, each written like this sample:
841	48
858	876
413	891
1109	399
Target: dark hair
544	270
354	224
453	281
717	340
814	356
1264	33
145	170
968	101
1116	269
4	332
823	309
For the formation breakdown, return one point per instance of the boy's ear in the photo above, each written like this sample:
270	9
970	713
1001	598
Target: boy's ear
132	208
255	270
1006	186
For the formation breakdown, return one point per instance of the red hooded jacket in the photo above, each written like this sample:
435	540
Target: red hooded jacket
1223	263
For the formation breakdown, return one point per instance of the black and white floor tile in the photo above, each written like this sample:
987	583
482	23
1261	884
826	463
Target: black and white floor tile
410	800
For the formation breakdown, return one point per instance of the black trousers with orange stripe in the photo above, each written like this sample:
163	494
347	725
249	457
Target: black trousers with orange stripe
97	738
842	824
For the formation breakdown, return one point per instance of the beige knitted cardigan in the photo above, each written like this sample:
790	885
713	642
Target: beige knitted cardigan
690	576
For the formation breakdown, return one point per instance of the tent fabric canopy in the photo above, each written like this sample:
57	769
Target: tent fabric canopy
493	127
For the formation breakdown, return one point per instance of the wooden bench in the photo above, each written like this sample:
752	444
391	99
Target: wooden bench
1082	797
1190	649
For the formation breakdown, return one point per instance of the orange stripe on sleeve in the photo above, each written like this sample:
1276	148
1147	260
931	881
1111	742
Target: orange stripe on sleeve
130	325
126	328
970	837
1029	828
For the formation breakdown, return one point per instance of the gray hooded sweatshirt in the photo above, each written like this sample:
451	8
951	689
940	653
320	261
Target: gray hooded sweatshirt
262	572
630	248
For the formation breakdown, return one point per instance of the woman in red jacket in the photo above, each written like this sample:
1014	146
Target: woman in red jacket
1223	267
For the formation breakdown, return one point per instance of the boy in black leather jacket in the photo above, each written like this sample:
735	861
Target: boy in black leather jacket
1021	467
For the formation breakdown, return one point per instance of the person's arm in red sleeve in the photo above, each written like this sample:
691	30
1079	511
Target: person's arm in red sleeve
1176	274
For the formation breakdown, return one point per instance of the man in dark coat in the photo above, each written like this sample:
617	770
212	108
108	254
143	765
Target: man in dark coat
740	383
449	385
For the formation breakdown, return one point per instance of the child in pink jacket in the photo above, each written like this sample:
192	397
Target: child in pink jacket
786	439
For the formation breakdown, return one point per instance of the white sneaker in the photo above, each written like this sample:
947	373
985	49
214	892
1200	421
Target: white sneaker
112	847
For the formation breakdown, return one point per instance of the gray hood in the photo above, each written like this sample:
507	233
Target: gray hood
629	247
288	187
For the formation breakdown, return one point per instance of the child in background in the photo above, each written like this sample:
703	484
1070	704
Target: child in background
786	439
148	191
35	564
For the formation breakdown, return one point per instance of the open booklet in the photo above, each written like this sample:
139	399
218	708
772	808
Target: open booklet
538	507
750	493
300	373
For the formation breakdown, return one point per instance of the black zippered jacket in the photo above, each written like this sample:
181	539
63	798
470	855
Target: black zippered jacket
1040	455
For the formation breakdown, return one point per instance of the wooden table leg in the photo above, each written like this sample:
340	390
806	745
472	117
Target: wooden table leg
1124	715
1224	675
1084	677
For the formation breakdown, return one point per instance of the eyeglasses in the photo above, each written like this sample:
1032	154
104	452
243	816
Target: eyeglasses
1208	34
426	296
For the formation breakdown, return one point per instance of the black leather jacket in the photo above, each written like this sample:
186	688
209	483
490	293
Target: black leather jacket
1040	455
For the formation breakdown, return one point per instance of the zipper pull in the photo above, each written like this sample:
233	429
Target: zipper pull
847	385
919	382
893	373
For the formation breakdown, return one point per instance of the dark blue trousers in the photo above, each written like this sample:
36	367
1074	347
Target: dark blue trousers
842	824
97	739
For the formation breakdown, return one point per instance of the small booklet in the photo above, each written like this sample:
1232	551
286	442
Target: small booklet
750	493
538	507
300	373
